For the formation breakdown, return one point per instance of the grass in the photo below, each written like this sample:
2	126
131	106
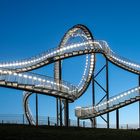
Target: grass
23	132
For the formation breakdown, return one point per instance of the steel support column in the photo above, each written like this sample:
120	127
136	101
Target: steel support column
36	109
57	111
117	119
78	122
93	121
58	77
139	100
60	112
66	113
107	90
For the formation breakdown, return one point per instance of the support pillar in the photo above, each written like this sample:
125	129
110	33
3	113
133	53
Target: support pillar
117	119
58	77
66	113
57	111
107	90
60	113
93	120
78	122
36	110
139	100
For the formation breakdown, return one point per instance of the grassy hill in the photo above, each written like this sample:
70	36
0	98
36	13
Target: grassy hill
23	132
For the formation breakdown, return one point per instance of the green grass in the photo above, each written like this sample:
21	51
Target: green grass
22	132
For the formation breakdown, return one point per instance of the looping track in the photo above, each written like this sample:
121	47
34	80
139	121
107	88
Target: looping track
77	41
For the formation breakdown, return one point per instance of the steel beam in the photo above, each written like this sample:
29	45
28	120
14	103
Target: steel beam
93	121
57	111
66	113
60	113
36	110
58	77
139	100
107	90
78	122
117	119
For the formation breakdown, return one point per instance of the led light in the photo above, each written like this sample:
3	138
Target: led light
125	94
10	72
44	80
114	98
35	78
122	95
118	97
20	75
39	79
25	76
132	90
30	77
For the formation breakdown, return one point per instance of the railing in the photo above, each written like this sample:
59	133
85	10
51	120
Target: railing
42	120
52	121
38	81
84	112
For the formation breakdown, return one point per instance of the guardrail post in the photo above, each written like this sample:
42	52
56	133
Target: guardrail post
48	121
23	118
83	123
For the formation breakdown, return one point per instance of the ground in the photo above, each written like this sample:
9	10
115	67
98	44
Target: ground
23	132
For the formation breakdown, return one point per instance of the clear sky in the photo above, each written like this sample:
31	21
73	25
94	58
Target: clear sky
31	27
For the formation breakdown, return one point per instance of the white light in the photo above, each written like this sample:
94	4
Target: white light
136	89
25	76
122	95
20	75
30	77
125	94
10	72
39	79
35	78
132	90
114	98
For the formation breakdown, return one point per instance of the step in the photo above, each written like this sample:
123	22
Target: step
70	54
62	56
56	57
74	52
9	84
122	103
2	82
86	50
21	85
15	84
66	54
29	86
133	99
81	52
137	97
127	101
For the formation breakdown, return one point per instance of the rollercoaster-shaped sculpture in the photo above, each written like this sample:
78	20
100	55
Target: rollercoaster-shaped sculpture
77	41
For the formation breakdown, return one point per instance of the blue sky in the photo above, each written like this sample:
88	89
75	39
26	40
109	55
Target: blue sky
31	27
